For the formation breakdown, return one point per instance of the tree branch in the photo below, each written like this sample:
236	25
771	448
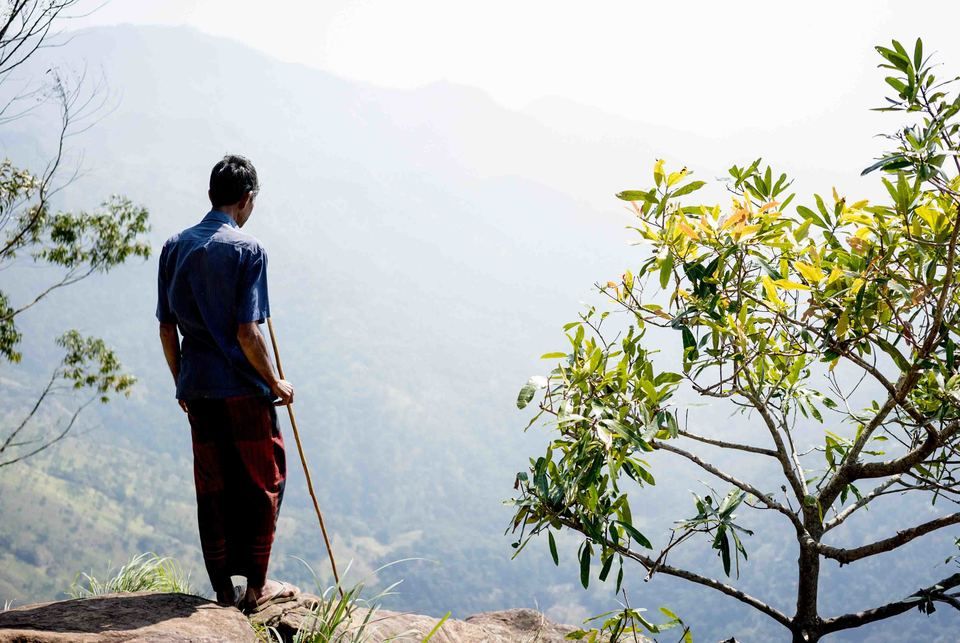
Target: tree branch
693	577
43	395
745	486
902	537
908	460
68	280
846	513
794	478
728	445
856	619
50	443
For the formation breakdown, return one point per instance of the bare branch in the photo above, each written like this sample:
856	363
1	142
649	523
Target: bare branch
905	462
51	442
862	502
902	537
794	478
745	486
70	278
729	445
729	590
856	619
43	395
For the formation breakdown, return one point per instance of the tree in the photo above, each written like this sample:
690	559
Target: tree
76	244
768	301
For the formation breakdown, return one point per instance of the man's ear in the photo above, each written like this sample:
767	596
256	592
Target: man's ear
244	200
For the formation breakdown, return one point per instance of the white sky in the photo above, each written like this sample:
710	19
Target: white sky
704	67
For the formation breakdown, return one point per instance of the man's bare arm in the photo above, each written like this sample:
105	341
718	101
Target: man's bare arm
255	348
170	340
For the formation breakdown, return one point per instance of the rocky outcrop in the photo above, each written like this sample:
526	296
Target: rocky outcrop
178	618
140	616
508	626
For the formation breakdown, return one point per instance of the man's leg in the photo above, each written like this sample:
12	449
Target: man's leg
214	464
259	489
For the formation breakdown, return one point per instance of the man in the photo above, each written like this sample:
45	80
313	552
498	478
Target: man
213	288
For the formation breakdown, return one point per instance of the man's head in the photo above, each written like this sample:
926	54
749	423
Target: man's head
233	186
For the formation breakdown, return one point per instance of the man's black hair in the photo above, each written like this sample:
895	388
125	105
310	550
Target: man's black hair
231	179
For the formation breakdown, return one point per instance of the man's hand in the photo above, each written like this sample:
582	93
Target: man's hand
284	392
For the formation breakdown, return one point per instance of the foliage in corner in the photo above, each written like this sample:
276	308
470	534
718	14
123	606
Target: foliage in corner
71	245
766	298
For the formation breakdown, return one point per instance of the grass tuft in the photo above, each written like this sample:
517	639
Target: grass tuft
145	572
336	618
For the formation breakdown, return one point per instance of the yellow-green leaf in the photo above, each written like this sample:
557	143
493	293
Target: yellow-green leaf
771	291
810	272
676	176
786	284
843	324
658	172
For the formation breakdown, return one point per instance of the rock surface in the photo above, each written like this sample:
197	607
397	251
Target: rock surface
178	618
140	616
509	626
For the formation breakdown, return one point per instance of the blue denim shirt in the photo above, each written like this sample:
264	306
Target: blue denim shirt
212	278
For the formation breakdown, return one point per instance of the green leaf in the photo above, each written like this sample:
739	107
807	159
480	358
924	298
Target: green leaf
772	272
526	394
667	378
807	213
636	195
665	268
724	546
689	344
693	186
636	535
898	85
585	566
892	162
642	473
553	548
822	208
902	363
605	570
896	59
556	355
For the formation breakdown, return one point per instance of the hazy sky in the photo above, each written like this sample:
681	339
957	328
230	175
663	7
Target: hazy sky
705	67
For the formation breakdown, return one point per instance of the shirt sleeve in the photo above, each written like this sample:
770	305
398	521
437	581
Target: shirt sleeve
253	304
164	313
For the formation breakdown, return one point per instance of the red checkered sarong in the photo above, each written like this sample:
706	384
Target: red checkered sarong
239	467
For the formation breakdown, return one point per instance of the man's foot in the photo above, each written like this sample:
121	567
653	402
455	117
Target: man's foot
231	597
272	592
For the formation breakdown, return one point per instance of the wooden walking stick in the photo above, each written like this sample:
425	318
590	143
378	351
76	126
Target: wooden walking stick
303	459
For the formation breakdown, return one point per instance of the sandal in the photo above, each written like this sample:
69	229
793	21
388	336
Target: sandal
284	593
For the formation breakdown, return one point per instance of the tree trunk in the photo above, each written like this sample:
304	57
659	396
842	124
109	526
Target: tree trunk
806	622
801	636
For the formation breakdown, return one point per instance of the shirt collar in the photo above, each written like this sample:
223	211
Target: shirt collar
220	217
